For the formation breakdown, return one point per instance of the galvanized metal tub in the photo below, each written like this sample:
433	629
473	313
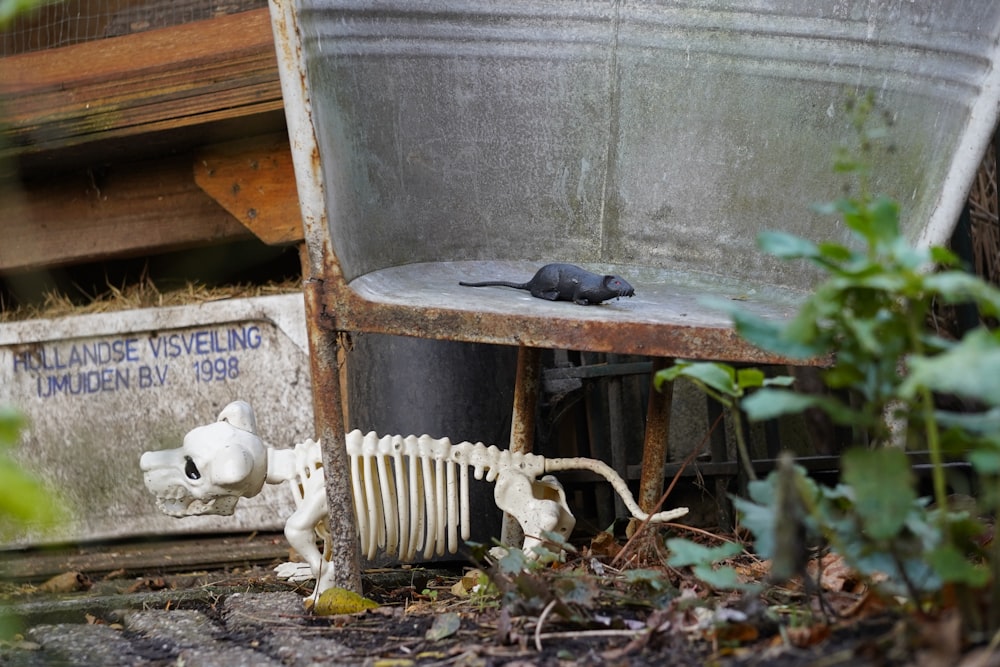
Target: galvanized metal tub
442	140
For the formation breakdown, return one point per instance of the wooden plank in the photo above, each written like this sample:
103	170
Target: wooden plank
161	556
125	210
161	79
254	180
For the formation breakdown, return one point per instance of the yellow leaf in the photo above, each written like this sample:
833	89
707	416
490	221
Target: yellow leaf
467	583
341	601
459	590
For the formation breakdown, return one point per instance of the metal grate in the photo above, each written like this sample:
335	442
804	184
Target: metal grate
55	24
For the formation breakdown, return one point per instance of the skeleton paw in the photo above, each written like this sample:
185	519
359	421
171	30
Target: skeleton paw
294	572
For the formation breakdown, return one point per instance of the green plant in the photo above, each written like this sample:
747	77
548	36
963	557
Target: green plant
24	500
11	9
870	320
725	384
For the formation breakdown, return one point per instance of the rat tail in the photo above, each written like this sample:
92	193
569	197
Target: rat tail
495	283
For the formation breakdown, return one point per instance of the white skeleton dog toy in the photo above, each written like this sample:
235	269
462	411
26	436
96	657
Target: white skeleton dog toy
406	494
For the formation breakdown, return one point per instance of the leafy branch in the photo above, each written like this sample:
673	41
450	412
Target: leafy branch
869	320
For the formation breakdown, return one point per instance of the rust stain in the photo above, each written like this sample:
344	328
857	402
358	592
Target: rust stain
352	313
656	441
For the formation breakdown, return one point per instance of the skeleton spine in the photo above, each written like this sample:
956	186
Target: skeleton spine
406	497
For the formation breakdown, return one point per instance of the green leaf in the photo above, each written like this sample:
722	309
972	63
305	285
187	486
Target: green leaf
724	577
11	423
980	423
958	287
985	461
882	481
835	253
758	517
952	565
943	256
771	403
884	214
702	561
718	377
747	378
773	336
842	376
577	590
444	625
655	579
24	499
970	369
512	562
685	552
9	9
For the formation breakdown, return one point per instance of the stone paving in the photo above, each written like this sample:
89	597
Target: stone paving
252	629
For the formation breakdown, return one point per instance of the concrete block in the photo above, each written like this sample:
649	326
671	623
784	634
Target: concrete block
100	389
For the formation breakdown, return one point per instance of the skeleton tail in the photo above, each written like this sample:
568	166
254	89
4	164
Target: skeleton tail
619	485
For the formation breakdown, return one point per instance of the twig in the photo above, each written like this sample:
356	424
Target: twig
577	634
666	494
541	621
700	531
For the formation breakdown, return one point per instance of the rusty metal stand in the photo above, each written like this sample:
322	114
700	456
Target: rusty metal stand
522	425
345	553
655	449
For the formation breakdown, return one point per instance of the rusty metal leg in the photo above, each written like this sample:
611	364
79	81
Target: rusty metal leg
654	449
720	454
600	434
345	552
522	426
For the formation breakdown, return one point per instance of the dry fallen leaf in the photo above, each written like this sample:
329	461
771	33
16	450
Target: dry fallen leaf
445	625
804	636
334	601
870	604
604	544
942	639
468	583
150	584
835	574
741	633
67	582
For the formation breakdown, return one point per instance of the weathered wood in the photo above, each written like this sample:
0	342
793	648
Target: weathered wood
125	210
254	180
124	86
160	556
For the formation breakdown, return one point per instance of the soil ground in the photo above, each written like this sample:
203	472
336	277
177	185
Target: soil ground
432	615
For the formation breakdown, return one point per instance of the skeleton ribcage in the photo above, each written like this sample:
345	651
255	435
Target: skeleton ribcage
412	493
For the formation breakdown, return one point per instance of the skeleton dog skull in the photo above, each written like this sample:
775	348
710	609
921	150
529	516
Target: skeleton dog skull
221	462
217	465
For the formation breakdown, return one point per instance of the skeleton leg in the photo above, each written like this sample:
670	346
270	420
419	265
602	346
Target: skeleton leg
538	505
300	531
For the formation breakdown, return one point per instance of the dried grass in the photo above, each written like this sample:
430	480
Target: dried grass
142	294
